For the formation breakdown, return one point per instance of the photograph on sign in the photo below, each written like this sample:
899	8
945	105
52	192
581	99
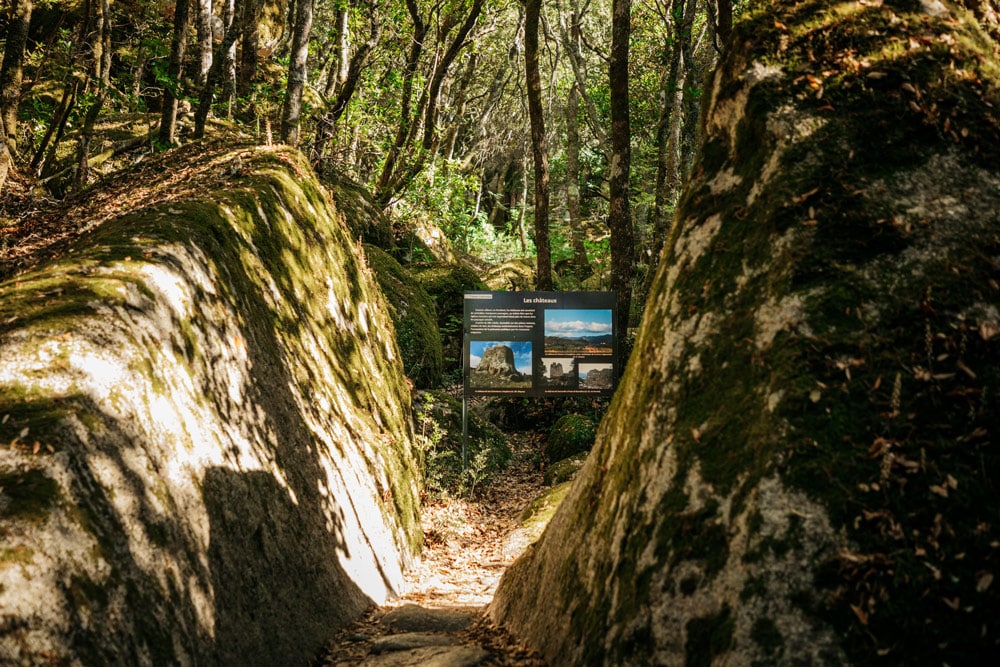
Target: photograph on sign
540	343
559	373
578	332
596	376
500	364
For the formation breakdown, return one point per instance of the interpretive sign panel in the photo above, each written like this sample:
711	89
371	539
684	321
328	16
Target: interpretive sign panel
540	343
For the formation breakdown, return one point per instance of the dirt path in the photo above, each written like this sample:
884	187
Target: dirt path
439	620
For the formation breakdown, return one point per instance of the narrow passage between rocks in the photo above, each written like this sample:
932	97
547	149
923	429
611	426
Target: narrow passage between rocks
440	619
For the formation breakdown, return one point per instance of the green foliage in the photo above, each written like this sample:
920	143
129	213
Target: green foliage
439	435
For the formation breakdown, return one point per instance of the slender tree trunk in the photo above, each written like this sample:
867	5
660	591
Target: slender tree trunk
214	76
539	147
229	55
297	73
53	135
619	208
725	17
204	31
102	70
343	48
668	125
249	46
11	70
406	97
178	46
573	183
571	34
5	160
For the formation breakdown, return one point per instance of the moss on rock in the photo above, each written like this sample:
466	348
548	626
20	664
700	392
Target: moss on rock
447	284
222	426
512	275
804	425
414	317
571	434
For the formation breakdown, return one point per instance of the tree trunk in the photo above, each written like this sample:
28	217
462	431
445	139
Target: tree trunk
54	132
229	55
205	39
619	207
11	70
800	463
215	75
296	73
430	100
539	147
668	131
101	50
249	44
580	262
5	160
172	88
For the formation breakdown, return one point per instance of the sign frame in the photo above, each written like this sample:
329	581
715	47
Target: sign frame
556	344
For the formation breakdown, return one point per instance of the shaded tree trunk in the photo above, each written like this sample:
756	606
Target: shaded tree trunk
619	207
800	461
539	146
101	49
249	45
172	88
668	129
580	262
11	70
215	75
292	108
205	39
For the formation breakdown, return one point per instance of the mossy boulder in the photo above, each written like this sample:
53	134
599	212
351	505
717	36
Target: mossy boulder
799	465
564	470
571	434
415	318
208	454
364	218
533	520
514	275
447	284
439	426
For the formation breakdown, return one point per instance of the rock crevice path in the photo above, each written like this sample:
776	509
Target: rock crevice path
439	621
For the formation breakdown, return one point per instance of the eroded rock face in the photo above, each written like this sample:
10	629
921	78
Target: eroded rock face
207	449
498	360
799	465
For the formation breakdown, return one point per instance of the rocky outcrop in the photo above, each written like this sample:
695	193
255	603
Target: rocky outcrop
601	377
799	464
414	317
207	451
498	360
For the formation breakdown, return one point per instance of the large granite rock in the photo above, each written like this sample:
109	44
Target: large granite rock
800	465
207	445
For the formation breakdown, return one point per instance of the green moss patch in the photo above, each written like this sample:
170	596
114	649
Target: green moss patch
414	317
571	434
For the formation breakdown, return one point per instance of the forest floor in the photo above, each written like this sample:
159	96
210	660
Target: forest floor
467	547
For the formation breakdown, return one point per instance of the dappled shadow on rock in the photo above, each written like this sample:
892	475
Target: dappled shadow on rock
270	602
